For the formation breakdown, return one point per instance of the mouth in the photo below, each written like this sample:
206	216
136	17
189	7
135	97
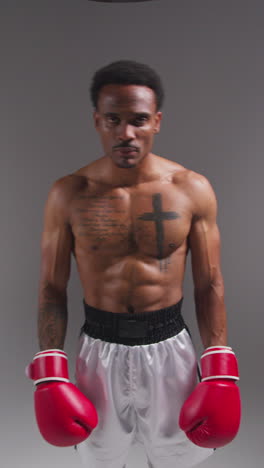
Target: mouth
126	151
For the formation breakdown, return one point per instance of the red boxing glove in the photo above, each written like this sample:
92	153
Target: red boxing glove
64	415
211	415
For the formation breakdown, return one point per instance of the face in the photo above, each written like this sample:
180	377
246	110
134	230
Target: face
127	121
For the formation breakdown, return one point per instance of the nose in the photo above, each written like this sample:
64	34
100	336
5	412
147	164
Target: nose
125	131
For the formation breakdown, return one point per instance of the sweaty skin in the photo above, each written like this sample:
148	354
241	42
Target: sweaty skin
130	221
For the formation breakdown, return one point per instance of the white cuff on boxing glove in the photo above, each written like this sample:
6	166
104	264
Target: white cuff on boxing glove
48	365
219	362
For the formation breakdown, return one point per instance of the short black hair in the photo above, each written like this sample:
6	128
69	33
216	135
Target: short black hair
126	72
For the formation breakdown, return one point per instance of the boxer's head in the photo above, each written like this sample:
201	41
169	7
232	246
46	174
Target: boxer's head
127	97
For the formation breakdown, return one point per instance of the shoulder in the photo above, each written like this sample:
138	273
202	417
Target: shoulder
67	187
199	191
62	193
199	184
204	198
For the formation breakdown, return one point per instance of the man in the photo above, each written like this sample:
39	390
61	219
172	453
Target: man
130	218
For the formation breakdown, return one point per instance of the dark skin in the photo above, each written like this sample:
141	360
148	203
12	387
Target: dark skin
130	219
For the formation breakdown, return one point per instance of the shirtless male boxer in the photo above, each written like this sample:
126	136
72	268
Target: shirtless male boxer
129	218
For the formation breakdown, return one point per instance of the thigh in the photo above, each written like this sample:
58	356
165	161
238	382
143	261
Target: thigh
166	373
183	455
102	374
89	459
166	377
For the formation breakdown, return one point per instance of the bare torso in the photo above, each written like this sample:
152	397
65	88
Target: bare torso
130	242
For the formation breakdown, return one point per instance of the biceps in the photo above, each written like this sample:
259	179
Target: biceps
56	249
204	242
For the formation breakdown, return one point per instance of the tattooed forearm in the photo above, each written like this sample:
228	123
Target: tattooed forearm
52	324
52	320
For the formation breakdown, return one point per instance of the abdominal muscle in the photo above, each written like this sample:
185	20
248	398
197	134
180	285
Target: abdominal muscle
132	283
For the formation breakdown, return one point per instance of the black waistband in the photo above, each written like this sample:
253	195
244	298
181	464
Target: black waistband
133	329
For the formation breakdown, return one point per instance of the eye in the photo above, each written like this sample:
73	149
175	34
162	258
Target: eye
140	120
112	118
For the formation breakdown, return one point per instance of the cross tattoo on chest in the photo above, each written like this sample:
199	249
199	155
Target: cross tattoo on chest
158	217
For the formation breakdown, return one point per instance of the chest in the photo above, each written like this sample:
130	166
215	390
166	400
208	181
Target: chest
118	222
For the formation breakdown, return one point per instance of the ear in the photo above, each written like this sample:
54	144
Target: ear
158	118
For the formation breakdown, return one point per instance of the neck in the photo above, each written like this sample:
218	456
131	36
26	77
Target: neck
129	176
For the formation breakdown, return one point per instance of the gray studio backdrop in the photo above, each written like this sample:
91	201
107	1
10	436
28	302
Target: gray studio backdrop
209	54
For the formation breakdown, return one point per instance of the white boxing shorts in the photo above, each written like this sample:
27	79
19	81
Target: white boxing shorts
137	369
